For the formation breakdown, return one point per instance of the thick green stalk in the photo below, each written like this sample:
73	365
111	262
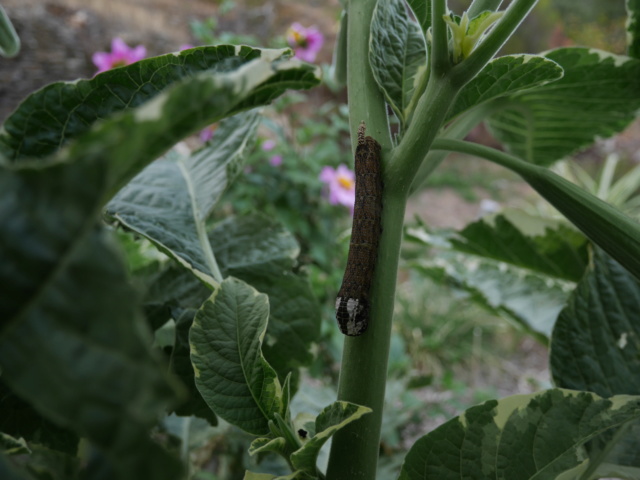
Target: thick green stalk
440	62
457	130
430	113
366	102
354	450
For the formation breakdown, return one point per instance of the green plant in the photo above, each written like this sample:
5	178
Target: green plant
80	159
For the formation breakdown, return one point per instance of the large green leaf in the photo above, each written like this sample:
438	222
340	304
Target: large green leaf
614	232
535	244
633	28
70	323
64	110
169	201
537	436
262	253
596	341
398	55
505	76
231	374
331	419
85	351
597	97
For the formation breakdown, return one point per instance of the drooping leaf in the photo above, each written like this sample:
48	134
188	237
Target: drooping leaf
397	55
607	227
168	201
532	243
231	374
598	96
331	419
633	28
62	111
535	436
505	76
596	341
262	253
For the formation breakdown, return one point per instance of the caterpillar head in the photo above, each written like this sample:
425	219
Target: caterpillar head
352	315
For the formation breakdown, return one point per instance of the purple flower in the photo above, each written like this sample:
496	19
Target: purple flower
306	42
206	133
276	160
268	145
121	54
185	46
342	185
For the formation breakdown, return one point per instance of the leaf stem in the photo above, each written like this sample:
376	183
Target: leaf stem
494	40
603	224
440	62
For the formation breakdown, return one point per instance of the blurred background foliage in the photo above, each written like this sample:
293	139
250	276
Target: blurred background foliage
447	352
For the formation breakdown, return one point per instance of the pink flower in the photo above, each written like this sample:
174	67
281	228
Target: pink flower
306	42
342	185
206	133
119	56
268	145
276	160
185	46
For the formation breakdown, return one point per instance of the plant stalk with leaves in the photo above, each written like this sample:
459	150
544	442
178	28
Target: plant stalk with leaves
80	160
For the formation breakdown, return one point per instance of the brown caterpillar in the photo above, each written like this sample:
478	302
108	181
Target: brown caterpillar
352	303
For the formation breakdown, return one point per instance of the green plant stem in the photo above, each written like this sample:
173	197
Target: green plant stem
366	102
409	155
495	39
440	62
354	451
456	130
